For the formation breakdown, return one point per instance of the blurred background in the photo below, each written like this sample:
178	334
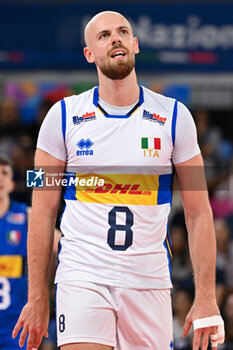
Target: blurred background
186	53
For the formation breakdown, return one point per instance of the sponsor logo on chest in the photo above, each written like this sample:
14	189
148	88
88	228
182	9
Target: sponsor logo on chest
85	148
11	266
83	118
151	146
16	218
153	117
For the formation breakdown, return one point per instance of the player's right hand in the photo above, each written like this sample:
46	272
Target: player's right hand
33	320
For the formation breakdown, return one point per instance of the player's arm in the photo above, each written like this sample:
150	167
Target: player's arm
202	246
35	315
57	233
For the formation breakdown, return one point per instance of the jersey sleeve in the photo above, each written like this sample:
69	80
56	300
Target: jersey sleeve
186	146
50	137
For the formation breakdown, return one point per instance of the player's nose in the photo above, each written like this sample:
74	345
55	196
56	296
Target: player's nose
116	38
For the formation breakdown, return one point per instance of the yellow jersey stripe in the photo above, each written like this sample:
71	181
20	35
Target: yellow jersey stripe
136	189
11	266
168	247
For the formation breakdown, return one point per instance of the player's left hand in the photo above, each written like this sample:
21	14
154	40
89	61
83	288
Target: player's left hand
33	320
207	324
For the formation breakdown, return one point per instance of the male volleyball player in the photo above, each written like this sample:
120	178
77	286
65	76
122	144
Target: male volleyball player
113	280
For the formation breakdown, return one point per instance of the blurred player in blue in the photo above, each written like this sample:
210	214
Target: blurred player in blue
13	253
14	217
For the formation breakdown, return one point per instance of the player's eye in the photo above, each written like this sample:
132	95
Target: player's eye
104	35
123	31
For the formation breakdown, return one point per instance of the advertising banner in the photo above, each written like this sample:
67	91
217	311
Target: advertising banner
173	37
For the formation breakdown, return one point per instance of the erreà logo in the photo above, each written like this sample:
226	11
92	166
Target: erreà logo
85	146
153	117
150	146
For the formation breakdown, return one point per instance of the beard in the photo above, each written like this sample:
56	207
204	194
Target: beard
116	70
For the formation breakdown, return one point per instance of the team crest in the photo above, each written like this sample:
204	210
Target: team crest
14	237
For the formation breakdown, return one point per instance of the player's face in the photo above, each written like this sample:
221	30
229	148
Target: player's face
112	46
6	182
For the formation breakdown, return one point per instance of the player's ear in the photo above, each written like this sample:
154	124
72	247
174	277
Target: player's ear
88	54
136	45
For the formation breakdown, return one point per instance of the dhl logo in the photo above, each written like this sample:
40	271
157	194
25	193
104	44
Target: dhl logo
121	189
11	266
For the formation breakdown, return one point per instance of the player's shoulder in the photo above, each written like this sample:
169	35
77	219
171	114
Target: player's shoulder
83	97
164	100
158	98
70	102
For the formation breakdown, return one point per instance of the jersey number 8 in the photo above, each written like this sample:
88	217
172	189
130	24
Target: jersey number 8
116	227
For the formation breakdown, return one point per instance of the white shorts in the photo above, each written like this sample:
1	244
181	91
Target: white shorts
126	319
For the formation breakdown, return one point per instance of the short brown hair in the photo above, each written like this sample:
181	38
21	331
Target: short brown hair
5	160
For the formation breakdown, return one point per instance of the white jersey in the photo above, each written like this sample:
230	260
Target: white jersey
115	232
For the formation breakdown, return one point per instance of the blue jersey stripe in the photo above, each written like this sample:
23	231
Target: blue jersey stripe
63	118
70	191
164	191
96	96
141	96
169	257
174	118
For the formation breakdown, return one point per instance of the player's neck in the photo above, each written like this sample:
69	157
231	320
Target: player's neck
121	93
4	205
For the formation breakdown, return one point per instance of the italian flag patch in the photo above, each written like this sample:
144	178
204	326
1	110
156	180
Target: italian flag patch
151	143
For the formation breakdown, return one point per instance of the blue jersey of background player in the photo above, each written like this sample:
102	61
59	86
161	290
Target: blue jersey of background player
13	253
